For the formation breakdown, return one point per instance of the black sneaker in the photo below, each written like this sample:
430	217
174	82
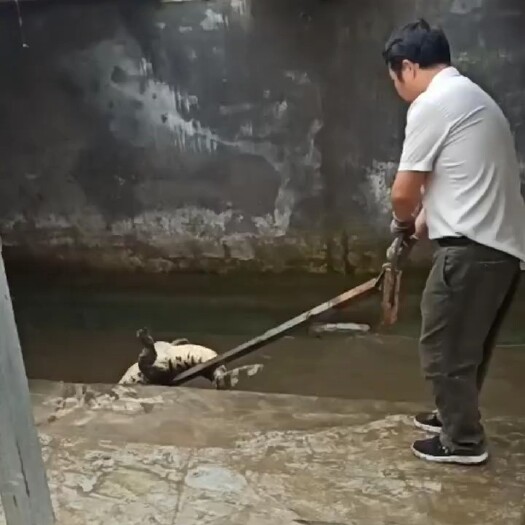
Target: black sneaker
432	450
429	422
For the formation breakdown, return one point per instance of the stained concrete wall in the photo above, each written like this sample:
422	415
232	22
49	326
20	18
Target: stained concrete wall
223	134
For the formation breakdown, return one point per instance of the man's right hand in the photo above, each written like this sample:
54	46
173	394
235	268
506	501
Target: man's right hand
421	225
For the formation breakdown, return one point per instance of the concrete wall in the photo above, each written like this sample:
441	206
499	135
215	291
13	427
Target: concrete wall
223	134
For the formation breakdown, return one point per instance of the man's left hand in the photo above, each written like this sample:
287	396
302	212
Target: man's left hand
404	228
400	248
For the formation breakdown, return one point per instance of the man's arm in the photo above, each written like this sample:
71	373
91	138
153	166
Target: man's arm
406	194
425	134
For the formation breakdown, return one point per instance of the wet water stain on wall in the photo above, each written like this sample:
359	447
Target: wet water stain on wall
220	135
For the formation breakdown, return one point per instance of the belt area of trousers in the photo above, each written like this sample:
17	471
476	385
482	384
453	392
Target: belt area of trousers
445	242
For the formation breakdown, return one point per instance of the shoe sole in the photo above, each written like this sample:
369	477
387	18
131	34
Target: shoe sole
459	460
426	428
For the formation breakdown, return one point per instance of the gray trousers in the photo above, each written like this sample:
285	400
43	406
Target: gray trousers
467	296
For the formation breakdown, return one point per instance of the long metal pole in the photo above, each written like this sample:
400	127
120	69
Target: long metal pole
279	331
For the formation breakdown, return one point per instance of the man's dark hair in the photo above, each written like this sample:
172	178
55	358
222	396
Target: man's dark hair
419	43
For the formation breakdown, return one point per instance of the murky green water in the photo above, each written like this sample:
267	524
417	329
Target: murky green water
85	331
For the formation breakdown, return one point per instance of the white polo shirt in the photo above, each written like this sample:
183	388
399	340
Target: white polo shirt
456	131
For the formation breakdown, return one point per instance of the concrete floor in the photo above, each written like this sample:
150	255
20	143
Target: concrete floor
152	456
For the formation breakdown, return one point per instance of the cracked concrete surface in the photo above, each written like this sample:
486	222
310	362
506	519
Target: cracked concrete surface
154	456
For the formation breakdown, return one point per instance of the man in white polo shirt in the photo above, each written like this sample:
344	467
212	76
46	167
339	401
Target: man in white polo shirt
458	182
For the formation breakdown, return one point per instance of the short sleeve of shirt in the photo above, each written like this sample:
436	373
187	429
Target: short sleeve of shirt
425	133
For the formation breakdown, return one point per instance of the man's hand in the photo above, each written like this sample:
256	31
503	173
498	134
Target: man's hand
421	225
400	249
404	228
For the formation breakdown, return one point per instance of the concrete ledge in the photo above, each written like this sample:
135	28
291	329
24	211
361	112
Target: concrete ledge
186	457
313	254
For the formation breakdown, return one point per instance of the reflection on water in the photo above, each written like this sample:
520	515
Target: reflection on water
76	332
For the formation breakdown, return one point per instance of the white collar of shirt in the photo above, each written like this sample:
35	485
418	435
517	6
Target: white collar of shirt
444	74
